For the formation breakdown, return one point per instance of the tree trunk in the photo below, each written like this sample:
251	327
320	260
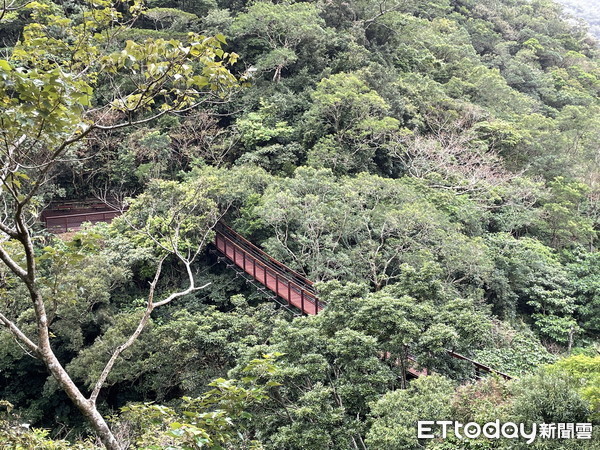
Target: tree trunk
56	369
85	406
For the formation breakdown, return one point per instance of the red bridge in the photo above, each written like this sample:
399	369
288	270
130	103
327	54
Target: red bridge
68	216
284	282
291	287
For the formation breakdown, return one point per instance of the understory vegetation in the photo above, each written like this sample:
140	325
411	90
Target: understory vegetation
433	166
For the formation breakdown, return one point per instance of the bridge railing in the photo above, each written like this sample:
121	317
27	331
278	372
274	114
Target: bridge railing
478	367
235	236
286	283
72	222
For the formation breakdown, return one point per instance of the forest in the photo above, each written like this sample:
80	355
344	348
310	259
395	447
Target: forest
432	166
586	10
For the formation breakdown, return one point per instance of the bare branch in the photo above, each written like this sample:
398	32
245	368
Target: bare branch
12	265
150	306
120	349
19	335
8	6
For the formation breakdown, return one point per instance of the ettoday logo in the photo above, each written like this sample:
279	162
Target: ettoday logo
426	429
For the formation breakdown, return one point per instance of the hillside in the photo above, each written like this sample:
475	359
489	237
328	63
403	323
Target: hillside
586	10
433	167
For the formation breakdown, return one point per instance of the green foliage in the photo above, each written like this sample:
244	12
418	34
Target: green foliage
361	227
20	436
482	401
325	380
531	272
170	18
548	397
396	413
213	420
515	352
442	154
585	370
562	224
585	273
285	31
347	123
42	96
409	322
207	339
174	217
260	128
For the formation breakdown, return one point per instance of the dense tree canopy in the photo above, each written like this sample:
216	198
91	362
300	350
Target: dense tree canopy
433	166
